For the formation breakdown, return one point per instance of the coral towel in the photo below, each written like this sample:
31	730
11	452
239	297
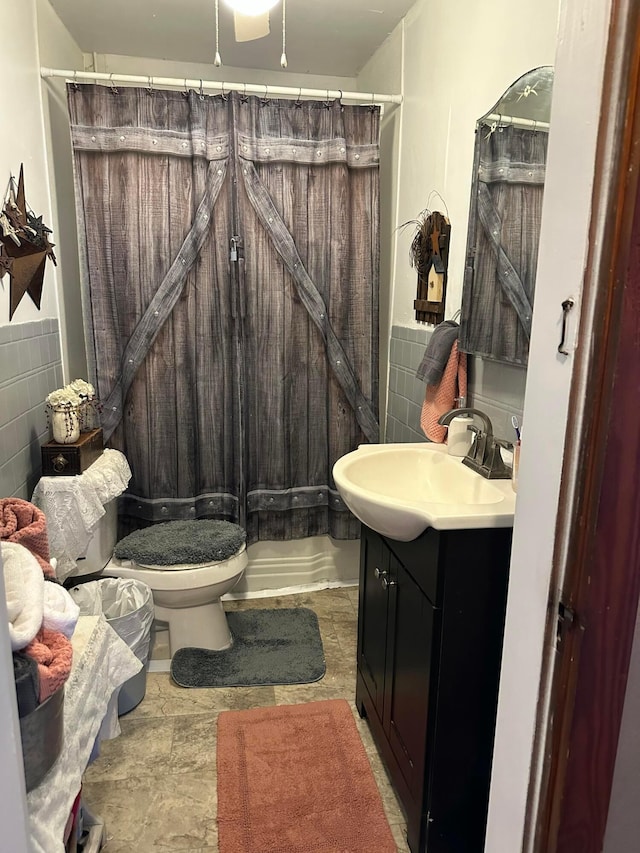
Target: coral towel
54	654
24	592
24	523
441	398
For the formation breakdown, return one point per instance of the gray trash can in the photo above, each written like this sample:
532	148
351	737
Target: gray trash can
128	607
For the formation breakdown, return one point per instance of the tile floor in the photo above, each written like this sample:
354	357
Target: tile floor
155	785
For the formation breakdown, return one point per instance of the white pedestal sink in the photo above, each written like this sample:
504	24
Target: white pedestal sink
401	489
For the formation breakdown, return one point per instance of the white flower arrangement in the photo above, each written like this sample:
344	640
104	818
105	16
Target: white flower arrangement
78	401
64	398
84	389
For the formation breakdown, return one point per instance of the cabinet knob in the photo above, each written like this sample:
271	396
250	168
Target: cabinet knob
378	574
386	584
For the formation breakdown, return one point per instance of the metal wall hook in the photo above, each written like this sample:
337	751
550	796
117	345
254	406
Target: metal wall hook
567	305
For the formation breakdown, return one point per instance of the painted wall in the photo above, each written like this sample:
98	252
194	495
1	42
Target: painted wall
22	141
38	348
458	60
58	50
450	75
145	66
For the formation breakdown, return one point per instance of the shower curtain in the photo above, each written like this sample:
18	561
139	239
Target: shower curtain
230	266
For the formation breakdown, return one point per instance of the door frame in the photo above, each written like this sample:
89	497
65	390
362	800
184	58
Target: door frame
596	557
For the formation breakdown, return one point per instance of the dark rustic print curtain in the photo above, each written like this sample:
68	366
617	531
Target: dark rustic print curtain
502	249
232	380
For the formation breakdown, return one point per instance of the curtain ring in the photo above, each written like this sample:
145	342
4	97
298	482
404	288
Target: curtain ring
111	83
186	89
75	79
298	101
372	105
150	85
535	126
265	100
201	96
327	103
244	97
224	97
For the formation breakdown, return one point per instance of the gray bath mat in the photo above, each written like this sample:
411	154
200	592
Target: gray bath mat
269	647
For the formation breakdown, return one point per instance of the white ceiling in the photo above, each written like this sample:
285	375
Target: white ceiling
328	37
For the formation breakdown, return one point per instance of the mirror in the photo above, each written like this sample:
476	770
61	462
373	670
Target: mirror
504	221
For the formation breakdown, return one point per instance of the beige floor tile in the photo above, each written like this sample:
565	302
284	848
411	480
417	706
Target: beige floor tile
143	749
155	785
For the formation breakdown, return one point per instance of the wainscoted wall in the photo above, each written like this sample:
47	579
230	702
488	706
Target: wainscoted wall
30	367
497	389
406	393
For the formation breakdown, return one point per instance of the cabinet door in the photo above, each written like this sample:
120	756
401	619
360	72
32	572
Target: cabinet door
372	625
408	671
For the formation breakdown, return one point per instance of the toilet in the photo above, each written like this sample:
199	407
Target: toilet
186	596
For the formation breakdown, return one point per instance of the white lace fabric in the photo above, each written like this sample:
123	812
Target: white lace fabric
74	505
101	663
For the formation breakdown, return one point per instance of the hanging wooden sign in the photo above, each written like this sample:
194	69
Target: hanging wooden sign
430	256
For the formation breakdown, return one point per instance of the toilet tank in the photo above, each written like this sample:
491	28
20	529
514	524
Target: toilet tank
103	541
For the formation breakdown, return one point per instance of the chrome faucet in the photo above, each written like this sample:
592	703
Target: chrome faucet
484	456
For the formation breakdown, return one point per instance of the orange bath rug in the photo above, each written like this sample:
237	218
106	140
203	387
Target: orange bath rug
296	779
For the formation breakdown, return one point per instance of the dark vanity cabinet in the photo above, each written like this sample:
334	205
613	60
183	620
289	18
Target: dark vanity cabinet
430	627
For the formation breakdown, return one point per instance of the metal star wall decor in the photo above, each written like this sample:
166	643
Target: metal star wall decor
24	246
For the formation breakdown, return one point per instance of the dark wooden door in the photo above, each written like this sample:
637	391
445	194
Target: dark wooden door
408	673
372	626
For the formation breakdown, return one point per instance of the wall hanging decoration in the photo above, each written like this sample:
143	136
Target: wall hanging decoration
429	254
25	246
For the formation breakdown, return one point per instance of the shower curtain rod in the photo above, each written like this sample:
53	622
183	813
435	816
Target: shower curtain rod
515	120
250	88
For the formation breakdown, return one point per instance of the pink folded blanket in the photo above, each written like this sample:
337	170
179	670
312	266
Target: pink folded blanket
25	524
441	398
54	654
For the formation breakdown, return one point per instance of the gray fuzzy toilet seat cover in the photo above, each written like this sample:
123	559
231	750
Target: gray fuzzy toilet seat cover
175	542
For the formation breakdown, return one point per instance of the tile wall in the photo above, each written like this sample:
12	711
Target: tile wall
30	367
497	389
406	393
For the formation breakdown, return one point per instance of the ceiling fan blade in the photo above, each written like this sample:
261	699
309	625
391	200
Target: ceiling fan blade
250	27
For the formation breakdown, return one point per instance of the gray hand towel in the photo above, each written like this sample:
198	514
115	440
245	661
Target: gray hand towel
437	352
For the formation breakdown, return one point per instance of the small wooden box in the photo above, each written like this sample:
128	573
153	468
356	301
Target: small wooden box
70	459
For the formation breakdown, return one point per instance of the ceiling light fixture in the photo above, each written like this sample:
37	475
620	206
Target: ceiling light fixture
252	7
251	21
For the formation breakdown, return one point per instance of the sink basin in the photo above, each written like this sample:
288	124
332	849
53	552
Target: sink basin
401	489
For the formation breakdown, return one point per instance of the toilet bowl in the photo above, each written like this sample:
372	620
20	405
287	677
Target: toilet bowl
186	596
